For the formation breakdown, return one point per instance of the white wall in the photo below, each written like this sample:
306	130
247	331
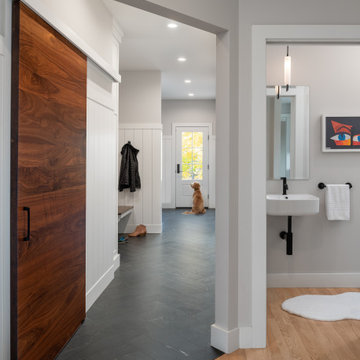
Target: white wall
140	97
320	246
191	112
147	200
89	19
101	184
187	111
140	123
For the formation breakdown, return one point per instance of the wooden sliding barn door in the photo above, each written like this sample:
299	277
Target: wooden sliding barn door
48	188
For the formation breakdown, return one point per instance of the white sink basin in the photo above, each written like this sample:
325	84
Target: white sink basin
292	204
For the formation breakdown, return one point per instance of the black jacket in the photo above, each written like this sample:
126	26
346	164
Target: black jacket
129	170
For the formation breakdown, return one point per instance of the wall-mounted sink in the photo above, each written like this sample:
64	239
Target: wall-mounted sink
292	204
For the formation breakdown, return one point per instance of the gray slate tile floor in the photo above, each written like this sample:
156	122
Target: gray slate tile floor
161	303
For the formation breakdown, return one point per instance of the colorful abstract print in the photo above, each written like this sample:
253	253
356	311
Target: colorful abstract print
343	133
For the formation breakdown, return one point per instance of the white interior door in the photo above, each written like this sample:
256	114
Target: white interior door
192	163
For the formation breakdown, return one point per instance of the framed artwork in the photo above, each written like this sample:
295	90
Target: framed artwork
340	133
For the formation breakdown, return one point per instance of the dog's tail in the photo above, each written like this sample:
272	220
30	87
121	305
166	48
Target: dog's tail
188	213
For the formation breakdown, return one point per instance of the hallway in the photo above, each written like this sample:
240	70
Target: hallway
161	303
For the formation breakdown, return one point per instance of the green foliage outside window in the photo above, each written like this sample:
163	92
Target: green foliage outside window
192	155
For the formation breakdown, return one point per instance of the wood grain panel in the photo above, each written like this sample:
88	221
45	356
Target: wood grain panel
48	176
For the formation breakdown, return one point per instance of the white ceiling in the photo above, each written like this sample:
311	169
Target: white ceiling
148	44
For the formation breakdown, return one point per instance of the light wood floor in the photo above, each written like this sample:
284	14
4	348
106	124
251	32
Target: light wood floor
292	337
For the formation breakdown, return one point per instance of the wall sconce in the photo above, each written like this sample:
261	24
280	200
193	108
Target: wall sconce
287	69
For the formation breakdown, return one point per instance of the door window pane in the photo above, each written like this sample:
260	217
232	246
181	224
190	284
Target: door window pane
192	153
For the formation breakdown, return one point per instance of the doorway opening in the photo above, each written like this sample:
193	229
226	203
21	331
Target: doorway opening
263	35
163	274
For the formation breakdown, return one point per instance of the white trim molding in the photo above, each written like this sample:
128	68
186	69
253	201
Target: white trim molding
117	30
40	8
225	340
2	45
292	280
144	126
97	289
261	35
116	261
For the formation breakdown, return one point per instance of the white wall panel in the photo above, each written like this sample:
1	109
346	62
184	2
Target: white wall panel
156	177
138	195
101	185
147	200
166	172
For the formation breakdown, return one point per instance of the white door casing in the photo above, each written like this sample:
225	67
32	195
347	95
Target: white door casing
191	163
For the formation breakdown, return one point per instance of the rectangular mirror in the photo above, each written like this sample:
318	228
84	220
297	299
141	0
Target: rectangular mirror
288	133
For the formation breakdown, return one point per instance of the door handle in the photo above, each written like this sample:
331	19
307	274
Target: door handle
178	168
27	237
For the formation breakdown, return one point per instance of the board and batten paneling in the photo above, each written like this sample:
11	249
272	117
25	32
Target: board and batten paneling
147	200
101	177
168	172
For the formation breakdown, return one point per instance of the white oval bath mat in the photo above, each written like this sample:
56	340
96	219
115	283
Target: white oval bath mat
325	307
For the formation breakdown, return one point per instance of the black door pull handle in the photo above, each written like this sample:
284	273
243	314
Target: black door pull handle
178	168
27	237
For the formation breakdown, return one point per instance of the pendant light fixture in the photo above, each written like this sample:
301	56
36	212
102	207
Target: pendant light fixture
287	69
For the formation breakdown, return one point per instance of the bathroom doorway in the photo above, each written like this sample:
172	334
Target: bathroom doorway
262	36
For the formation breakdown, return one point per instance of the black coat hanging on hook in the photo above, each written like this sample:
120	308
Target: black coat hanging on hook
129	169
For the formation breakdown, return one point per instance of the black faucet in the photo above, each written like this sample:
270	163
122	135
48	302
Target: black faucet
285	185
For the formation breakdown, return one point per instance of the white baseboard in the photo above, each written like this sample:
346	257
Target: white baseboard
151	228
313	280
168	206
225	340
116	261
97	289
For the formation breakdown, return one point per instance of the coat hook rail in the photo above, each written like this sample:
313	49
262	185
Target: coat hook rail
323	186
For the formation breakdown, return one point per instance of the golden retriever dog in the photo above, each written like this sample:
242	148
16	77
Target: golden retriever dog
198	201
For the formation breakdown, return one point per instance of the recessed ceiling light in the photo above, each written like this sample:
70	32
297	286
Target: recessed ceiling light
181	59
187	81
172	25
191	94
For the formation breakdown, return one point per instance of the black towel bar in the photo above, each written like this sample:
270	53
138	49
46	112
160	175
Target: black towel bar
323	186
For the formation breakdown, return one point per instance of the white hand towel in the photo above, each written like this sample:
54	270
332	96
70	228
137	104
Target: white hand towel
337	202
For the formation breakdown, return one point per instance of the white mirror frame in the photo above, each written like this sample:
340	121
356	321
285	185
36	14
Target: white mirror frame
299	169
